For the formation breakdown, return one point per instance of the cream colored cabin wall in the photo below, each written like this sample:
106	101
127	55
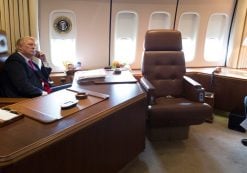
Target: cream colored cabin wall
204	8
242	60
239	32
92	19
93	25
144	9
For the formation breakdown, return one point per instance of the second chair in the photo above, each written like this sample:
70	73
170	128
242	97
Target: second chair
175	101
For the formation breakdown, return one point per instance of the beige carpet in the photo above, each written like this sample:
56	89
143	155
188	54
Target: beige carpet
211	148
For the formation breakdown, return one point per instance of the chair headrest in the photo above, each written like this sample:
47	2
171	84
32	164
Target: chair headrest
3	49
163	40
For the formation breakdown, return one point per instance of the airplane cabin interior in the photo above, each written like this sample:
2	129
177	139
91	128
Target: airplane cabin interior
149	86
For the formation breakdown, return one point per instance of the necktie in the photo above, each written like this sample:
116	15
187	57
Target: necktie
45	84
31	65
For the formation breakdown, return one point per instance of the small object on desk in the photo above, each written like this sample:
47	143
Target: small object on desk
69	104
217	70
91	74
85	82
108	68
80	96
89	93
88	77
7	116
117	71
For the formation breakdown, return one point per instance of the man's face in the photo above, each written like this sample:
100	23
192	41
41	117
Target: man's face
27	48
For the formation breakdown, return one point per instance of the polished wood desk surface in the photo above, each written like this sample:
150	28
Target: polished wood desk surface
23	137
49	109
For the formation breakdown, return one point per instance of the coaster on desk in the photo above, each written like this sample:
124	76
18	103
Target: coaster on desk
81	96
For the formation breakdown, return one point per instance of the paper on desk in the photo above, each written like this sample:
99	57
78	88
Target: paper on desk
91	74
6	115
244	124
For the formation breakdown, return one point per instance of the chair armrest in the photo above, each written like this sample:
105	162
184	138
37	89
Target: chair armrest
193	90
149	88
4	101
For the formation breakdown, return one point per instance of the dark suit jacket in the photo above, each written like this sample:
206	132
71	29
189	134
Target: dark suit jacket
19	80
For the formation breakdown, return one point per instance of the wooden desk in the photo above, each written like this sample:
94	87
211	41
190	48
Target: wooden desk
4	101
101	138
61	78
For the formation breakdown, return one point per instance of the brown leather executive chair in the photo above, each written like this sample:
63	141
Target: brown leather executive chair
175	101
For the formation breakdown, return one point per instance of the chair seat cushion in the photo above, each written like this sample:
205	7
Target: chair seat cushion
171	111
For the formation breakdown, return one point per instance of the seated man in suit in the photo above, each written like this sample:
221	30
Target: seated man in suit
22	77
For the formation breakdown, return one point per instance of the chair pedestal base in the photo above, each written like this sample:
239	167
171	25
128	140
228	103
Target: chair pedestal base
168	133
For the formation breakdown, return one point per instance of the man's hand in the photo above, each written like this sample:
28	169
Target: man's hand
40	55
44	93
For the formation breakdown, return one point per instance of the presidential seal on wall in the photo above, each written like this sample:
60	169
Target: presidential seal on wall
62	24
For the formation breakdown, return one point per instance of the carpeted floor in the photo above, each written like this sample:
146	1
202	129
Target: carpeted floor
210	148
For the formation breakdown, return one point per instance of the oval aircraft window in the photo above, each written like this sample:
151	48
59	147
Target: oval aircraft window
188	25
159	20
125	37
215	42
